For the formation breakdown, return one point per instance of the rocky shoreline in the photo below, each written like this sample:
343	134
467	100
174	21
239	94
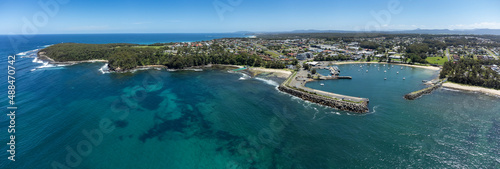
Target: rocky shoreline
159	67
41	56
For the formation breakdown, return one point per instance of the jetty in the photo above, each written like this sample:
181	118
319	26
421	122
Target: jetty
435	84
295	85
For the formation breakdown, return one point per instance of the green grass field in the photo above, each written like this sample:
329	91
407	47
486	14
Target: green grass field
436	60
271	53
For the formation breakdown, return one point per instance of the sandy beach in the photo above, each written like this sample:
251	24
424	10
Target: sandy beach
472	88
416	66
278	72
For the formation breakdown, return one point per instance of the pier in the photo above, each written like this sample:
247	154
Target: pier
434	85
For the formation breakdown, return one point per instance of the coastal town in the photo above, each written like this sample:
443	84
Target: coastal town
463	59
398	49
305	55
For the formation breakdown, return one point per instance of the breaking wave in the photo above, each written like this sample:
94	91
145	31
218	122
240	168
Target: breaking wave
269	82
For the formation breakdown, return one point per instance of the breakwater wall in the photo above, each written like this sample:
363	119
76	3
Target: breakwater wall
333	77
361	107
417	94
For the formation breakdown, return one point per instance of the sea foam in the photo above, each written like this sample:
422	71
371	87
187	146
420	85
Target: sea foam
104	69
267	81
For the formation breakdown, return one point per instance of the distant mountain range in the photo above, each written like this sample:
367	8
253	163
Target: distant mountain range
416	31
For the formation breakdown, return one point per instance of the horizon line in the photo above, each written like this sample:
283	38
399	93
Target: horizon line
235	32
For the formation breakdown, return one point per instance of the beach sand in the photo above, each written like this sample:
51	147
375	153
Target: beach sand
278	72
472	88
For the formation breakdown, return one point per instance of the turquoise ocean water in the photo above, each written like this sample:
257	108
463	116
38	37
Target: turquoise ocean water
78	117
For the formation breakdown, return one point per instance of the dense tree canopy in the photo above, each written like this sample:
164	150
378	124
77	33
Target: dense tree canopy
129	56
471	72
369	45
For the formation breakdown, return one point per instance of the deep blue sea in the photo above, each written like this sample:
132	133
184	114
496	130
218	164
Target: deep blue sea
78	117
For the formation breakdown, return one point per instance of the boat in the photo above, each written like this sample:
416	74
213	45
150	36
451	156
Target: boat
401	68
322	84
366	70
404	78
385	78
385	71
397	72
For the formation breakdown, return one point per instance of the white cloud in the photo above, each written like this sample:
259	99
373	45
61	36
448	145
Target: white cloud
482	25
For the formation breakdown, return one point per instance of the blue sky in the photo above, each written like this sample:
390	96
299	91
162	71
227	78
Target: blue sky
202	16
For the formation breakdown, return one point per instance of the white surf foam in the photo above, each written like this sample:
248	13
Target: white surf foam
453	90
37	61
29	53
22	54
267	81
244	77
335	113
104	69
45	65
374	109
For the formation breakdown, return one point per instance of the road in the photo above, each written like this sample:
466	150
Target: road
447	53
491	53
